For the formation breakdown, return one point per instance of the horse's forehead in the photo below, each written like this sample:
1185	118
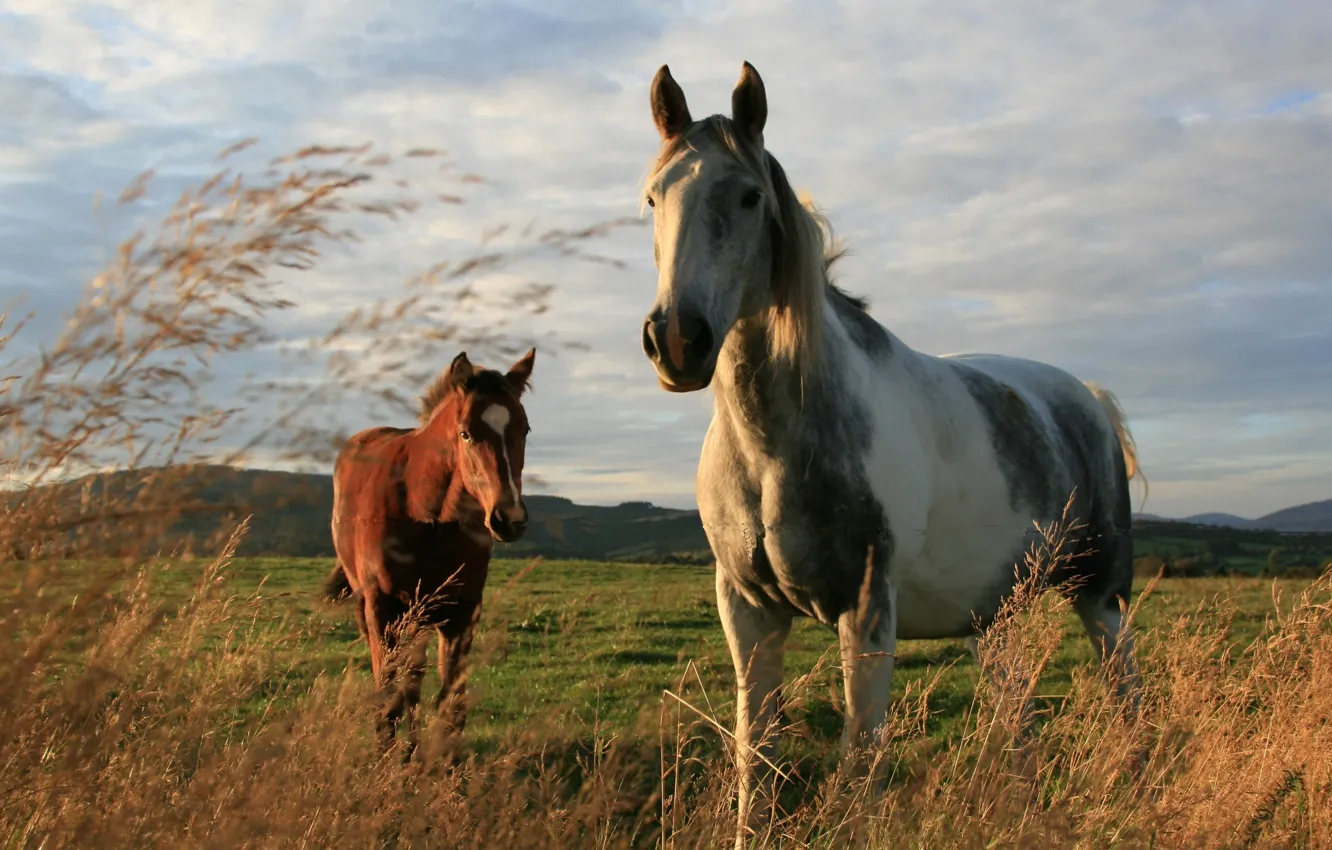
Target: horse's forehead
497	416
702	167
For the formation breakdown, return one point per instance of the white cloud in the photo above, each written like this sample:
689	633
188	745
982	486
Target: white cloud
1135	191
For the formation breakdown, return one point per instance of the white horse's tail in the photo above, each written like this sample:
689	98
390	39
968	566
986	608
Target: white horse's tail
1119	421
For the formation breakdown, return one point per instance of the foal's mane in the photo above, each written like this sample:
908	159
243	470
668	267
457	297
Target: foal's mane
803	242
486	381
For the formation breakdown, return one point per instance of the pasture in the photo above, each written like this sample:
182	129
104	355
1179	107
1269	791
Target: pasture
589	648
212	673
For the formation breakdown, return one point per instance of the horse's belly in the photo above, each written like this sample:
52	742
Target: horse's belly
957	582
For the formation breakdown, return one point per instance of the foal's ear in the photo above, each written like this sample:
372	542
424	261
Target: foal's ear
460	369
669	111
749	103
520	373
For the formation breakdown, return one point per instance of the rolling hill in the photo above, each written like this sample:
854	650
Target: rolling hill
290	517
1311	518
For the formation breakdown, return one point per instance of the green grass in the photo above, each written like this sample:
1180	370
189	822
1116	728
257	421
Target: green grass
590	648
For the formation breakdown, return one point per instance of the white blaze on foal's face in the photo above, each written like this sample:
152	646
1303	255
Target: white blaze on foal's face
497	416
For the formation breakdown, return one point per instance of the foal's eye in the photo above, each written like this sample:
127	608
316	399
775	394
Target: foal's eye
750	199
467	437
650	202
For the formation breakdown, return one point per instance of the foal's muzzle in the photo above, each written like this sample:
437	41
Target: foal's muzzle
681	346
507	524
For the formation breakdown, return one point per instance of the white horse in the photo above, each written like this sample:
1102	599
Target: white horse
831	440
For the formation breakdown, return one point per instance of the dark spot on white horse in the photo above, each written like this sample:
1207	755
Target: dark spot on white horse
1044	468
1021	447
868	335
1103	566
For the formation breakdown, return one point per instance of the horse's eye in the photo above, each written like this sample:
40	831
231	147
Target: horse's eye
750	199
651	202
467	438
527	429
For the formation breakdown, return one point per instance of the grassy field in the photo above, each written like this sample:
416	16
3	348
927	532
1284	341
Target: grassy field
592	647
599	691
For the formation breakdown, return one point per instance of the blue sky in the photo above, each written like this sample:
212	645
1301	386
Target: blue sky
1139	192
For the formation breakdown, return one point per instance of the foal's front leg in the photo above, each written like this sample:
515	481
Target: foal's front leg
376	620
398	668
455	645
407	695
757	638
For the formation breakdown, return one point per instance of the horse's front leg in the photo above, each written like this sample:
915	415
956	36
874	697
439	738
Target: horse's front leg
398	664
376	619
757	637
405	694
868	638
455	645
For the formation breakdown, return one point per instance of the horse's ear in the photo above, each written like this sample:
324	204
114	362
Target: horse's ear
460	370
749	103
669	111
519	375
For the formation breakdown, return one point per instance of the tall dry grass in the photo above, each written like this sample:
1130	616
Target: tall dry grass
127	721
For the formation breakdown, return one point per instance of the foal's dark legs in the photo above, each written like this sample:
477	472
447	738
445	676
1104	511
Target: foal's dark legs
406	696
384	618
455	645
358	605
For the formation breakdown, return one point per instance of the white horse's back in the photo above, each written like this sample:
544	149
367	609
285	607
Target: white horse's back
1008	441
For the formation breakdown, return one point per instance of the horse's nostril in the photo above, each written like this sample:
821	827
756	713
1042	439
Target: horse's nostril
696	333
649	347
702	341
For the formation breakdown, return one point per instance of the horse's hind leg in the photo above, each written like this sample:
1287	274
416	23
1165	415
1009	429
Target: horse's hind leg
358	605
1105	624
1112	640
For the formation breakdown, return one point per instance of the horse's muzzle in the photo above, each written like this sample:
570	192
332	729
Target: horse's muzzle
682	348
507	526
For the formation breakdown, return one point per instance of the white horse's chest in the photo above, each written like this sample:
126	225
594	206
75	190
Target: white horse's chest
953	535
787	533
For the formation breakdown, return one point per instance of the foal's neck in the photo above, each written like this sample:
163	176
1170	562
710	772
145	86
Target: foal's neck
433	487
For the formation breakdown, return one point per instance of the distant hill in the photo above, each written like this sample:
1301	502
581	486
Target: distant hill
1226	520
1313	517
290	517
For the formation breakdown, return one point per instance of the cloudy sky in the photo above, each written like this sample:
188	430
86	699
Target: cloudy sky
1139	192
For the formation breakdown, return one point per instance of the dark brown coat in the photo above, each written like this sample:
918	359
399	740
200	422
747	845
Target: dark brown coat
415	514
